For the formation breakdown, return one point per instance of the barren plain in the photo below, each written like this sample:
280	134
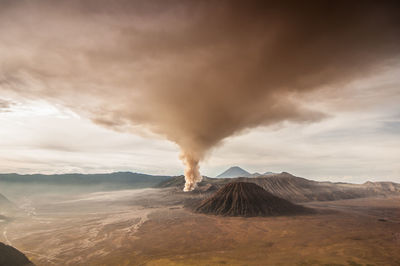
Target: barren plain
151	227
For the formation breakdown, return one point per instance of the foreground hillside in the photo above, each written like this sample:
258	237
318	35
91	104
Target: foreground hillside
10	256
297	189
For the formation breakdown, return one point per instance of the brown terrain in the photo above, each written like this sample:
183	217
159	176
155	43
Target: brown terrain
152	227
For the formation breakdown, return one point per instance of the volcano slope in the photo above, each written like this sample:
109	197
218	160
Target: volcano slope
248	200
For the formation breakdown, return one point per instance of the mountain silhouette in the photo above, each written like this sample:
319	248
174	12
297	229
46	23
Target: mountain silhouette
234	171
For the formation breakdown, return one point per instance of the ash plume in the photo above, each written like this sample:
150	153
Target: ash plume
192	170
195	72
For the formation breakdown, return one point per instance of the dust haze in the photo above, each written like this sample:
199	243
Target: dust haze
193	72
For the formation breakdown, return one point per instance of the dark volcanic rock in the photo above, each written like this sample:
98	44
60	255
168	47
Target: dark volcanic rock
247	199
11	256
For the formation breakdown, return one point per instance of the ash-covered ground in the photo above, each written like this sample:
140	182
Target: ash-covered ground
152	227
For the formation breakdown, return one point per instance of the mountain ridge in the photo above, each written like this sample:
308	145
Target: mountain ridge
237	171
297	189
76	183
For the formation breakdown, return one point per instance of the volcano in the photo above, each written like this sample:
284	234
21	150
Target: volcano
234	171
247	200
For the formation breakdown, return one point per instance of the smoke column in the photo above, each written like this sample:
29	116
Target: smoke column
192	172
193	72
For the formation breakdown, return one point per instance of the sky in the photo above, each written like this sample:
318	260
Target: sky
90	87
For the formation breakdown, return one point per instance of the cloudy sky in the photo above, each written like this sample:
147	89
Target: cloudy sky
90	86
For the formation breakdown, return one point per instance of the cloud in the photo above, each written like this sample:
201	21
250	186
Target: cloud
5	105
193	72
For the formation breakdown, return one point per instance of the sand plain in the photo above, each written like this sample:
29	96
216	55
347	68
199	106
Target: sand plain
151	227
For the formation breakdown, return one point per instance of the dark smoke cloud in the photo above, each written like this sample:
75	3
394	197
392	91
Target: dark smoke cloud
195	72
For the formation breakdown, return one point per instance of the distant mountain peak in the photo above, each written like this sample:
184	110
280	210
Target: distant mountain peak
234	171
268	173
237	168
